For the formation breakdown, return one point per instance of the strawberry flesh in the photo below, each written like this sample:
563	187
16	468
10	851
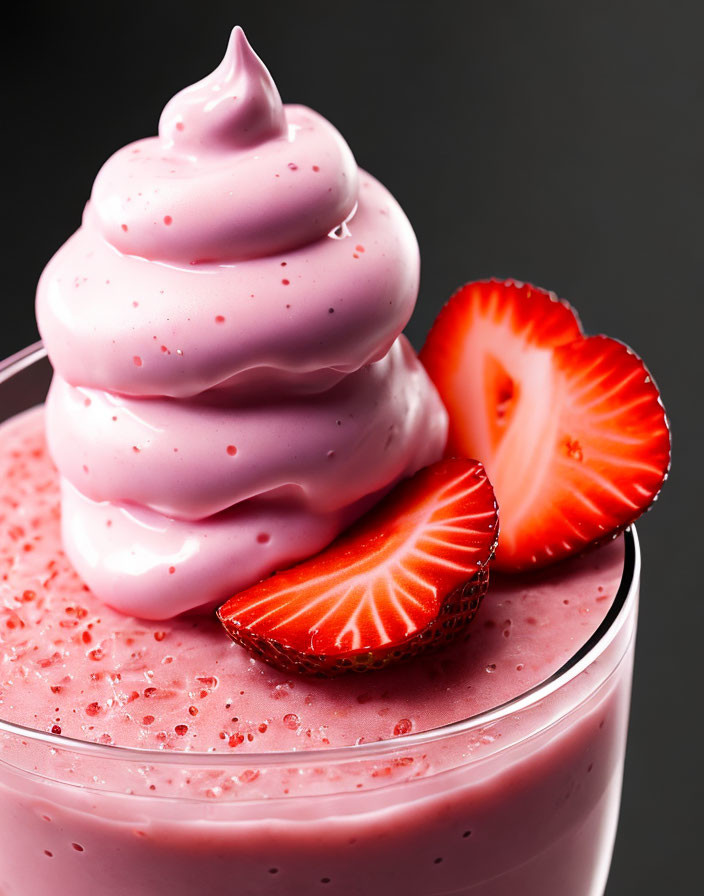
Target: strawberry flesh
408	577
570	428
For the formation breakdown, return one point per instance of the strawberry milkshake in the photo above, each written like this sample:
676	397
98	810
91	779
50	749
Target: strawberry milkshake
235	421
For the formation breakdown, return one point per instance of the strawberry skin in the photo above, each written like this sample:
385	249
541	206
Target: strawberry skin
570	428
406	578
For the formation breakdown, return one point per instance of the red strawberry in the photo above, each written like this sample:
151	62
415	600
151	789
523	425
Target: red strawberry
571	429
407	577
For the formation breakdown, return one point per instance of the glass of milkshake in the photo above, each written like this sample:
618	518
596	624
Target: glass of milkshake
522	796
229	390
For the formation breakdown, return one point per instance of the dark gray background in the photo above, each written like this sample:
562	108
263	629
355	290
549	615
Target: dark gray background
556	142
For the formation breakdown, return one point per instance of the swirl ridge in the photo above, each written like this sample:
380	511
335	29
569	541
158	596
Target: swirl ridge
231	388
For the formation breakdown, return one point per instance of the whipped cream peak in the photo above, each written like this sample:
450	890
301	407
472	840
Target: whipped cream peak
233	175
231	386
237	106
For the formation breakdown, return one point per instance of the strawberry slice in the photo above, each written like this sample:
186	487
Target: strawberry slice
571	429
407	577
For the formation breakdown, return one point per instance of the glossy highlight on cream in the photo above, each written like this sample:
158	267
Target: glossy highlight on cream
231	389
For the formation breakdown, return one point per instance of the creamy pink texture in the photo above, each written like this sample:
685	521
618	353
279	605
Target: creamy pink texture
526	804
69	661
231	387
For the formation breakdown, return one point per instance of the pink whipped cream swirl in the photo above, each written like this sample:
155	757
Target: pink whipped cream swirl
231	389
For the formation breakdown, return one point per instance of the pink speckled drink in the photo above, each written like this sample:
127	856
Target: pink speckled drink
231	390
151	758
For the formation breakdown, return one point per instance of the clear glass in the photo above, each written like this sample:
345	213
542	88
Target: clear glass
519	801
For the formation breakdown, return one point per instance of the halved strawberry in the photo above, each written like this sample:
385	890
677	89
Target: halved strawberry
407	577
571	429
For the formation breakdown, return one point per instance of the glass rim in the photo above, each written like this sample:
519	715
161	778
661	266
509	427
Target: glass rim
583	657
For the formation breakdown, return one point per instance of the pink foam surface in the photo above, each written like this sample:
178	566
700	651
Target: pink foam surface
70	663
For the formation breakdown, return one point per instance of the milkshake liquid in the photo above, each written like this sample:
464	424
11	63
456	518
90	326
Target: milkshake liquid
231	385
525	803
